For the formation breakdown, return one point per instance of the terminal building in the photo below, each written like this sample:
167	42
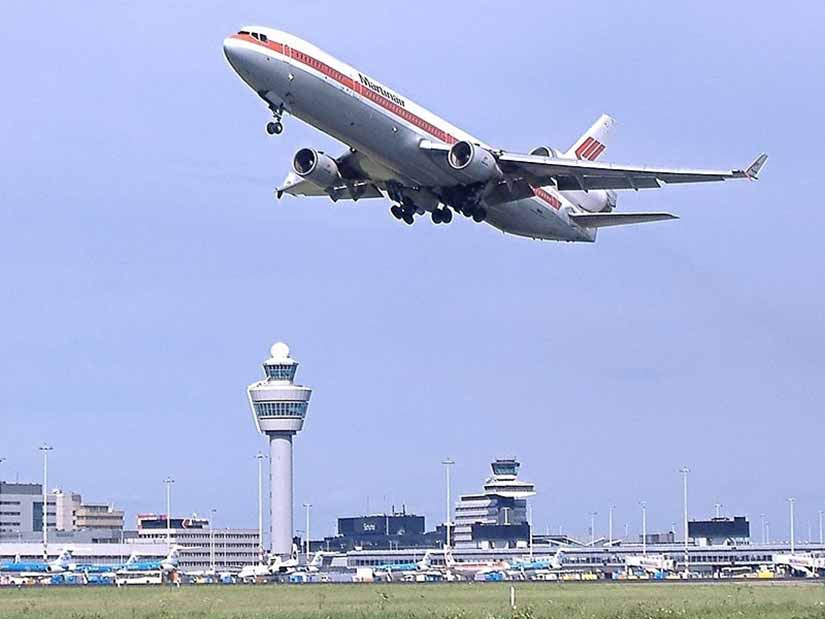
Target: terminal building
21	509
497	516
378	531
720	531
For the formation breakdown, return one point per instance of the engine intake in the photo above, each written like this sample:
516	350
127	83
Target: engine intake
545	151
316	167
476	164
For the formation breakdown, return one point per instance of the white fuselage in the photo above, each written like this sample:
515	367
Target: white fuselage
382	125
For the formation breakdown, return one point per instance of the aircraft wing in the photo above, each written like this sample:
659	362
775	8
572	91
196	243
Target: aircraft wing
355	184
581	174
603	220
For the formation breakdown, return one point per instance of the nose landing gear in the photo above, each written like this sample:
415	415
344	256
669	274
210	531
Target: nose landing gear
276	127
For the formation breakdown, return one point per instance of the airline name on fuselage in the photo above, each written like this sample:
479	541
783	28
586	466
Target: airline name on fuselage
381	90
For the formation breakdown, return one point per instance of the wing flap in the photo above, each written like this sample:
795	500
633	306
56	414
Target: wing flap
605	220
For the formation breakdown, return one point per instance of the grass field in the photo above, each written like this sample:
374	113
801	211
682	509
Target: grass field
457	601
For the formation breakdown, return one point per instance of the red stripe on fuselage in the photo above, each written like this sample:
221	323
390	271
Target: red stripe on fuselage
358	88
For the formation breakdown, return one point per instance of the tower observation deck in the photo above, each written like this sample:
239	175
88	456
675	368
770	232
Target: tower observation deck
279	407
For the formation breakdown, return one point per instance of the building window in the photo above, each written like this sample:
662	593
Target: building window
281	371
280	409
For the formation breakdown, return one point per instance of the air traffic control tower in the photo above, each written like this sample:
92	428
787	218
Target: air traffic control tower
279	407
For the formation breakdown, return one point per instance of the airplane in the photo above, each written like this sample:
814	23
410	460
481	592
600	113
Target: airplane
537	564
651	564
98	568
167	564
421	163
471	569
804	563
276	565
413	567
59	565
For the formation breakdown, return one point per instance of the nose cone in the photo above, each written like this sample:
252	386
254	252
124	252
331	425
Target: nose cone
233	52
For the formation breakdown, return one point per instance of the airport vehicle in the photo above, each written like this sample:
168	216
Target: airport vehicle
800	563
37	568
421	163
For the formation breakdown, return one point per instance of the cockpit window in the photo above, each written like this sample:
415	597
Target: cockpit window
255	35
263	38
242	32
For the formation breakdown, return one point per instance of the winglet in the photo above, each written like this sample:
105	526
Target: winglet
752	171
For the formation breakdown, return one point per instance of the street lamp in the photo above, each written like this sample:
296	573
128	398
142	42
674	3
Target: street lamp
718	507
791	502
260	458
307	507
448	463
684	471
821	539
169	481
593	527
45	449
764	536
610	524
212	539
644	527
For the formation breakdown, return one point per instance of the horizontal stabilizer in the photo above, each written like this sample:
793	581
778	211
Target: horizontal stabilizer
603	220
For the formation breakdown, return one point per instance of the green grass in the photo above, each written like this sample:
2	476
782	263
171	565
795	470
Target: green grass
456	601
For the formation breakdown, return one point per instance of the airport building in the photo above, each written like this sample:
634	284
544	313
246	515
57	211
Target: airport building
71	514
377	531
720	531
21	508
497	516
279	407
232	548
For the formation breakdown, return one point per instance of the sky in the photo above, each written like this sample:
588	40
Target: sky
147	269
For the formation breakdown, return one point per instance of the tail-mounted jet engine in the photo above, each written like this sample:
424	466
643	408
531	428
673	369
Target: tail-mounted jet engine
476	164
546	151
316	167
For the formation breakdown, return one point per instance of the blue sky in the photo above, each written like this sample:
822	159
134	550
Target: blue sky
147	268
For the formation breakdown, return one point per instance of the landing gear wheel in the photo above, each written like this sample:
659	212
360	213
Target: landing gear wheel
437	216
396	211
446	215
479	215
408	219
274	127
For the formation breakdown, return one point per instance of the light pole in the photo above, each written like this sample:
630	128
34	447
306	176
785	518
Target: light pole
530	524
821	539
684	471
448	463
212	539
169	481
593	527
791	501
260	458
718	507
764	536
768	531
307	507
644	527
45	449
610	524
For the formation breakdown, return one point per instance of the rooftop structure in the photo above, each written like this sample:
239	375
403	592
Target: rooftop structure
496	517
279	407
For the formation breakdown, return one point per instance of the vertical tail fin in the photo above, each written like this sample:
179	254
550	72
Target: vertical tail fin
592	144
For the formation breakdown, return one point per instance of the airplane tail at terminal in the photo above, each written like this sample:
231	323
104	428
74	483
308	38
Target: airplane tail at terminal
594	141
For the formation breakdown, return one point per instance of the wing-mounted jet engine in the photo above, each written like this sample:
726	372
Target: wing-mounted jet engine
316	167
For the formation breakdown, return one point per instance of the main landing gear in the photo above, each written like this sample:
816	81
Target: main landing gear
276	127
476	212
442	215
404	212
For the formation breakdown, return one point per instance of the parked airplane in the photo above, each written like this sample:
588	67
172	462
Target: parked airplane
804	563
404	153
167	564
413	567
99	568
61	564
276	565
471	569
538	563
651	564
